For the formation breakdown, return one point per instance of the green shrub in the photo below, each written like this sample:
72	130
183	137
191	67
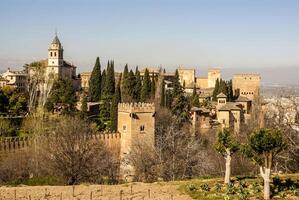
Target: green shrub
35	181
230	190
191	187
218	188
205	187
289	183
256	187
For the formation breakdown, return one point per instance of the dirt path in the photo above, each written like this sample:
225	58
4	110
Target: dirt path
135	191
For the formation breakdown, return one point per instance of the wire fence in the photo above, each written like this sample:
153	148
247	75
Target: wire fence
92	192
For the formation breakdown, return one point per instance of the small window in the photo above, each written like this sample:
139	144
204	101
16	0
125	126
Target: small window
124	127
52	62
142	128
51	54
55	54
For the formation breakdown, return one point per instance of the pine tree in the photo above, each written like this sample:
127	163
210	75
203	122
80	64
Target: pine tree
137	88
95	82
146	87
177	87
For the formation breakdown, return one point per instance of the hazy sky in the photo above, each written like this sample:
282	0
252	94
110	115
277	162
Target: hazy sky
238	34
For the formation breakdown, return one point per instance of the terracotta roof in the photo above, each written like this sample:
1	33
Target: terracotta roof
242	99
229	106
202	109
67	64
221	95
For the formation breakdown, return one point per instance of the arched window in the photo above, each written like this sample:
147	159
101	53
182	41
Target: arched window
51	54
55	54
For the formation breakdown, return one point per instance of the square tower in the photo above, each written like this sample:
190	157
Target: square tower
213	75
136	123
247	85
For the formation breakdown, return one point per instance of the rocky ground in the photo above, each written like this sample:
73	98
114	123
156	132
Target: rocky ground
134	191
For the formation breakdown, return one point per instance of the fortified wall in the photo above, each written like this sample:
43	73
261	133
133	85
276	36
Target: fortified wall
13	144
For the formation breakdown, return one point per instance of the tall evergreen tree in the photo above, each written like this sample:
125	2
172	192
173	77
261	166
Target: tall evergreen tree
163	95
180	109
95	82
103	81
230	90
146	87
126	89
177	87
216	90
222	87
114	107
195	98
137	88
153	86
109	85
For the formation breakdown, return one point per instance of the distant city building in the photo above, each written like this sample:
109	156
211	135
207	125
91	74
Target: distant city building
15	79
85	77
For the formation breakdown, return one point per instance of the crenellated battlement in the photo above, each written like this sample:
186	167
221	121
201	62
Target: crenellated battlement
214	70
7	144
243	76
136	107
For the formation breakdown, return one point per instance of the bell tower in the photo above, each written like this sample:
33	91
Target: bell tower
55	56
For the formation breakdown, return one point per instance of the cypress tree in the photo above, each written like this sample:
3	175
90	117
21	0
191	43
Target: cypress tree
195	98
216	90
103	80
230	90
180	109
223	87
146	87
83	112
137	88
163	95
94	90
177	87
153	86
109	86
126	91
114	107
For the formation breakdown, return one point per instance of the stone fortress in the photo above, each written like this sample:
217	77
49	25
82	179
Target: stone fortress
136	121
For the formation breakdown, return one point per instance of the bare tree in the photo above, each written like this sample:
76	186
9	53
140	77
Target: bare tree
70	152
177	154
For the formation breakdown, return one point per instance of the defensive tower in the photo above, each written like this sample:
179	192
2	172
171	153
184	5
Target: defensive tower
136	123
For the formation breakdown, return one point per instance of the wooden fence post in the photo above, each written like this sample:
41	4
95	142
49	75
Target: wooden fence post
91	195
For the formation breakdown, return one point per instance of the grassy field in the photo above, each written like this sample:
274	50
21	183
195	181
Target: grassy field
282	187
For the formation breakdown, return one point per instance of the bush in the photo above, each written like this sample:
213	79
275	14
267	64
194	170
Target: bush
205	187
230	190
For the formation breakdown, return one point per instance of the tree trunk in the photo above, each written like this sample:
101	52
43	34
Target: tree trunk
228	159
266	176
